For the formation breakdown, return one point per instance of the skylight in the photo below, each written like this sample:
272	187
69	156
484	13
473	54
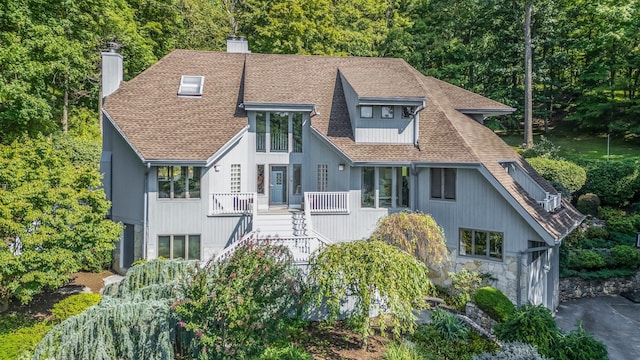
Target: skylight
191	85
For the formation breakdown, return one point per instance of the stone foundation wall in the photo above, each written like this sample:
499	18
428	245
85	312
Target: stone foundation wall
504	273
577	288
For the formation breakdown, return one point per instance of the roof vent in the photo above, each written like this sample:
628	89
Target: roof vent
237	44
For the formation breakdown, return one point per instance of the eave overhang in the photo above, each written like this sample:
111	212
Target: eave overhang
284	107
403	101
486	112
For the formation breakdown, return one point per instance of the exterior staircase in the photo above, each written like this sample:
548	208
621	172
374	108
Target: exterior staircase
286	227
280	225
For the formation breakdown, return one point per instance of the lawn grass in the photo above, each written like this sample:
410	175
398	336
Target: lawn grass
575	146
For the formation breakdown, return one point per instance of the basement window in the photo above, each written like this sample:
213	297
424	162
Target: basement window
191	85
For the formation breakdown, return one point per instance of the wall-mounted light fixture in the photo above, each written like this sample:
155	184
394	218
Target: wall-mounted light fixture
216	167
340	167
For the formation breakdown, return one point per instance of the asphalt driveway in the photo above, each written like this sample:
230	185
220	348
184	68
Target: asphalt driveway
613	320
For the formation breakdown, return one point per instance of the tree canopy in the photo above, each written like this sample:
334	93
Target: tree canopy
52	219
586	65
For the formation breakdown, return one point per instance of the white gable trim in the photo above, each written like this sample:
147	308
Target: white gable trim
223	150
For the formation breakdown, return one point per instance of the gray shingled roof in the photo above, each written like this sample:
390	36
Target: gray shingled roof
162	126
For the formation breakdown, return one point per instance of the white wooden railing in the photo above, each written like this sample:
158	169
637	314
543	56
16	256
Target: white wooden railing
326	202
301	247
279	142
261	142
233	203
551	202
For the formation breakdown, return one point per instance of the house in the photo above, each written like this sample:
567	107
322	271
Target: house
204	151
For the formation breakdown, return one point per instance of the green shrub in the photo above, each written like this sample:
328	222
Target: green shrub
614	181
622	239
568	174
11	322
494	302
234	309
513	351
601	274
585	259
544	148
625	256
448	325
619	221
463	283
433	345
74	305
401	351
531	324
579	345
22	340
596	232
285	352
588	204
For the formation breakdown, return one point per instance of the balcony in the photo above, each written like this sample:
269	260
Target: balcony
261	142
326	202
551	202
279	142
233	204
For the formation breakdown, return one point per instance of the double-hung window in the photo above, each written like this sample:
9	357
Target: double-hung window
484	244
179	182
179	247
443	183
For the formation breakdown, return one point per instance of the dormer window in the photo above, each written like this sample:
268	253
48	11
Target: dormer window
191	86
387	112
366	112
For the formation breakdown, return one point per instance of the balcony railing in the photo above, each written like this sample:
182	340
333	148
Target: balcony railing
233	203
326	202
261	142
279	142
301	247
551	202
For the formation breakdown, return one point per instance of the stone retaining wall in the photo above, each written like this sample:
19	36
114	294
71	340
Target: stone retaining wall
479	317
577	288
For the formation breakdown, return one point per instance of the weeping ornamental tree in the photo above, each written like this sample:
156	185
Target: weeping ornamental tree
361	270
135	322
415	233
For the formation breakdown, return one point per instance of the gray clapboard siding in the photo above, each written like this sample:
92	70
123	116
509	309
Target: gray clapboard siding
127	180
477	206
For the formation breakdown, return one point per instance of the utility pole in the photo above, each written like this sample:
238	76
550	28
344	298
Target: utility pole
528	75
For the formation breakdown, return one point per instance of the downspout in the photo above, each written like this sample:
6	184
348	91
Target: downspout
145	230
519	272
416	143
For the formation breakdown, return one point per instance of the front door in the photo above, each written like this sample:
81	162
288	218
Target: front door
278	185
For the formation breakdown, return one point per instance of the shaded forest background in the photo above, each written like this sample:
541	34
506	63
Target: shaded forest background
586	52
